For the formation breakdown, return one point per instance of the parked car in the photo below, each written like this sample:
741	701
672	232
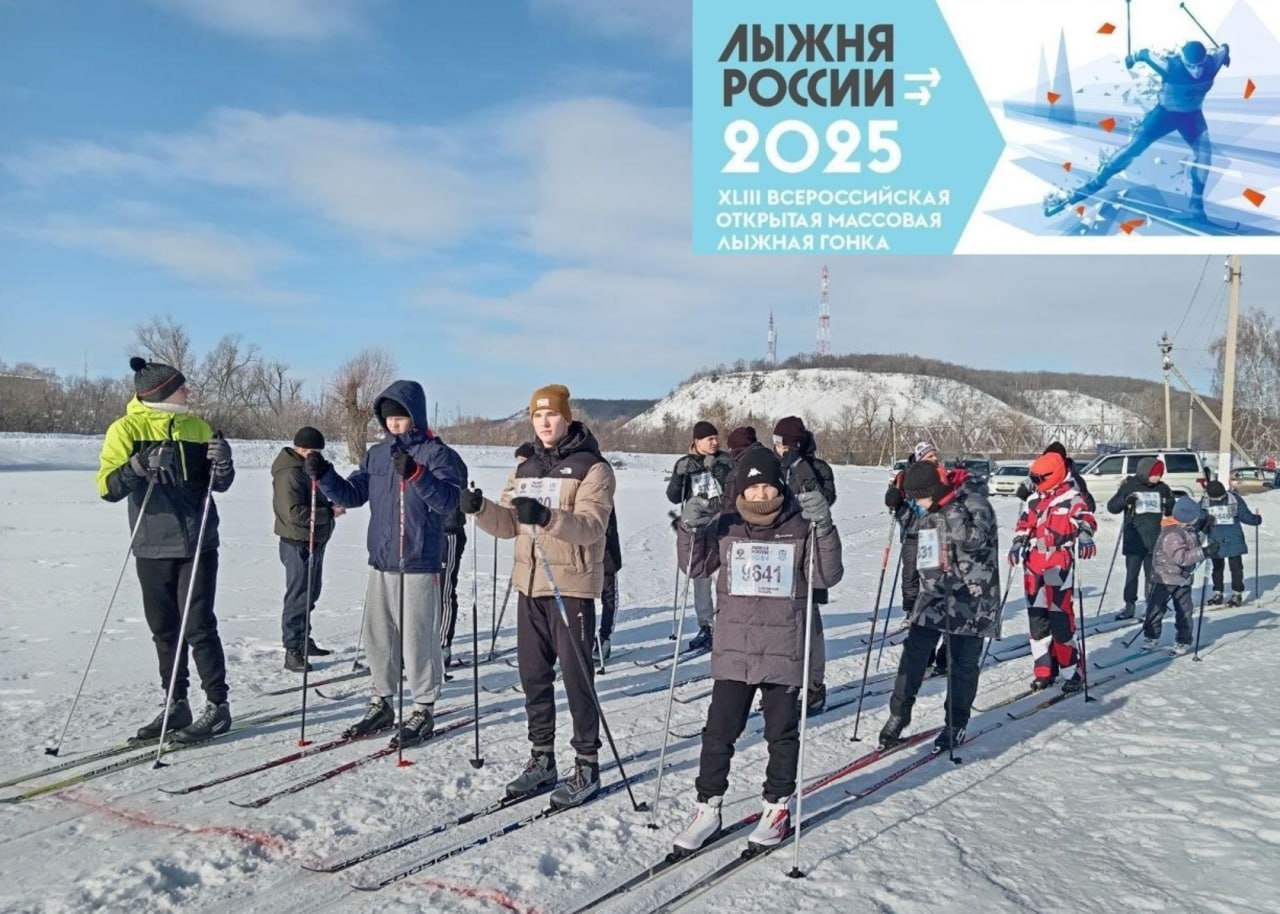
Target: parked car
1184	472
979	469
1007	478
1250	480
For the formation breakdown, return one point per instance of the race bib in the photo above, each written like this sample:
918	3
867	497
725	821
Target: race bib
1222	514
928	554
541	489
705	485
1146	503
762	569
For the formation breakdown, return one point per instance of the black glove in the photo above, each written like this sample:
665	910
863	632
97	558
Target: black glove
1212	549
685	466
1023	492
218	451
315	465
893	499
531	511
404	463
470	501
152	464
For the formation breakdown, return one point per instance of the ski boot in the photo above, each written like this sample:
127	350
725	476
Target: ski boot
1150	644
772	827
1181	648
703	827
1237	599
1040	683
1073	685
702	640
1130	609
817	699
378	716
578	787
1216	599
315	650
179	717
950	738
215	721
891	732
294	662
417	729
539	772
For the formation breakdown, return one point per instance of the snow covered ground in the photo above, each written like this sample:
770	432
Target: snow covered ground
1160	796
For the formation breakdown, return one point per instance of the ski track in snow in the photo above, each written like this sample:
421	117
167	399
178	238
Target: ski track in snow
1159	796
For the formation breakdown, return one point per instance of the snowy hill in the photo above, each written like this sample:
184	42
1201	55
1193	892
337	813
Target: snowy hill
1157	796
822	396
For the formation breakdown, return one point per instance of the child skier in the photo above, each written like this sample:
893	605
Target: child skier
760	546
1228	511
1054	518
1177	554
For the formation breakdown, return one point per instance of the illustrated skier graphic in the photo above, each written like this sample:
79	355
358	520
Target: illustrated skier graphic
1185	79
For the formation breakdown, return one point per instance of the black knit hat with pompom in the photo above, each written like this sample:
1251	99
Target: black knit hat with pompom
155	382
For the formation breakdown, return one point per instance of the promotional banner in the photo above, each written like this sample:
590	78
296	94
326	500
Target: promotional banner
986	126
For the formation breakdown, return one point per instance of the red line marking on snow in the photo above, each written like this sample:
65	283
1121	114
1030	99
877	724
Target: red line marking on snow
501	899
263	839
1132	224
1254	196
1066	166
1108	124
1106	28
1053	96
1249	88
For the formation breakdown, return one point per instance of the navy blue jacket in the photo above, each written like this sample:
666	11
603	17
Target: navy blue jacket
1226	532
428	497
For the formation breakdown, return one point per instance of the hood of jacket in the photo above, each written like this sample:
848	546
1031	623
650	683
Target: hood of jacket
412	397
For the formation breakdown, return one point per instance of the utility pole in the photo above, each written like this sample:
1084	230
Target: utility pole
1166	347
1229	368
1191	417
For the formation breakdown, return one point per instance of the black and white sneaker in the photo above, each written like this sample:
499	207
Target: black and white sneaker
215	721
179	717
578	787
949	738
378	716
1237	599
417	729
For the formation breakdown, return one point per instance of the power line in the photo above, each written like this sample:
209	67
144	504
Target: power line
1199	283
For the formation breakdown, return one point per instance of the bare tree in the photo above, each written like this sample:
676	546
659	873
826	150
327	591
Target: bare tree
355	385
165	340
1256	415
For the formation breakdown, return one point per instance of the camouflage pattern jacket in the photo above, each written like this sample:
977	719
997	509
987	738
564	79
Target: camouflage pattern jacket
957	556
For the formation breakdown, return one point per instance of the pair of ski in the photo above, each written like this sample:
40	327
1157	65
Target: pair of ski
343	863
1096	627
118	763
304	752
752	853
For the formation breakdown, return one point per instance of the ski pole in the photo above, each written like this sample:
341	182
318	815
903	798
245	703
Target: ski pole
1257	551
944	549
493	616
478	761
675	597
671	690
1128	29
796	872
584	666
401	761
181	647
1204	586
1079	613
1198	25
133	535
355	661
1110	568
1008	586
306	641
888	610
875	615
507	596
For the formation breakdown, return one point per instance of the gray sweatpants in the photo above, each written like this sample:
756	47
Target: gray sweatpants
423	661
702	605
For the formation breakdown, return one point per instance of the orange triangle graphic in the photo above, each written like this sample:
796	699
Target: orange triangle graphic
1108	124
1249	88
1106	28
1053	97
1254	196
1132	224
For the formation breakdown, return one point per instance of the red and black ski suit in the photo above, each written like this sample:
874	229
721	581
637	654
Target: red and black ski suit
1046	532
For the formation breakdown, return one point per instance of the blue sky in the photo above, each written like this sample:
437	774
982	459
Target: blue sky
497	192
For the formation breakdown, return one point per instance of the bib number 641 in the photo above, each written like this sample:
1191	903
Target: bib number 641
843	138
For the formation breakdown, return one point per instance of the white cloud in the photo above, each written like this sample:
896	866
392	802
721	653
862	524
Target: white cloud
667	24
197	253
281	20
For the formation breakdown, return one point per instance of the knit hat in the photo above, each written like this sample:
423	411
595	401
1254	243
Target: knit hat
1057	448
155	382
1216	489
741	437
789	431
924	449
921	480
1186	511
309	437
703	429
553	396
1048	471
387	408
760	466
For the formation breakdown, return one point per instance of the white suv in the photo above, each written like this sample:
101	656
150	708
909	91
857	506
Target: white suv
1184	472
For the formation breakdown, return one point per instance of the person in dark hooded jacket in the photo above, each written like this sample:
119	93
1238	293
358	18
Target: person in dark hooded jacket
291	504
760	548
803	471
742	441
1228	511
958	562
1144	499
411	482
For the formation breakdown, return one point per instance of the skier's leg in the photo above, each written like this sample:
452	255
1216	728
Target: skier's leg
966	652
1184	609
423	663
782	733
911	668
726	719
381	636
536	649
292	618
1155	125
202	626
162	608
1237	574
579	682
1193	129
1039	632
1157	602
